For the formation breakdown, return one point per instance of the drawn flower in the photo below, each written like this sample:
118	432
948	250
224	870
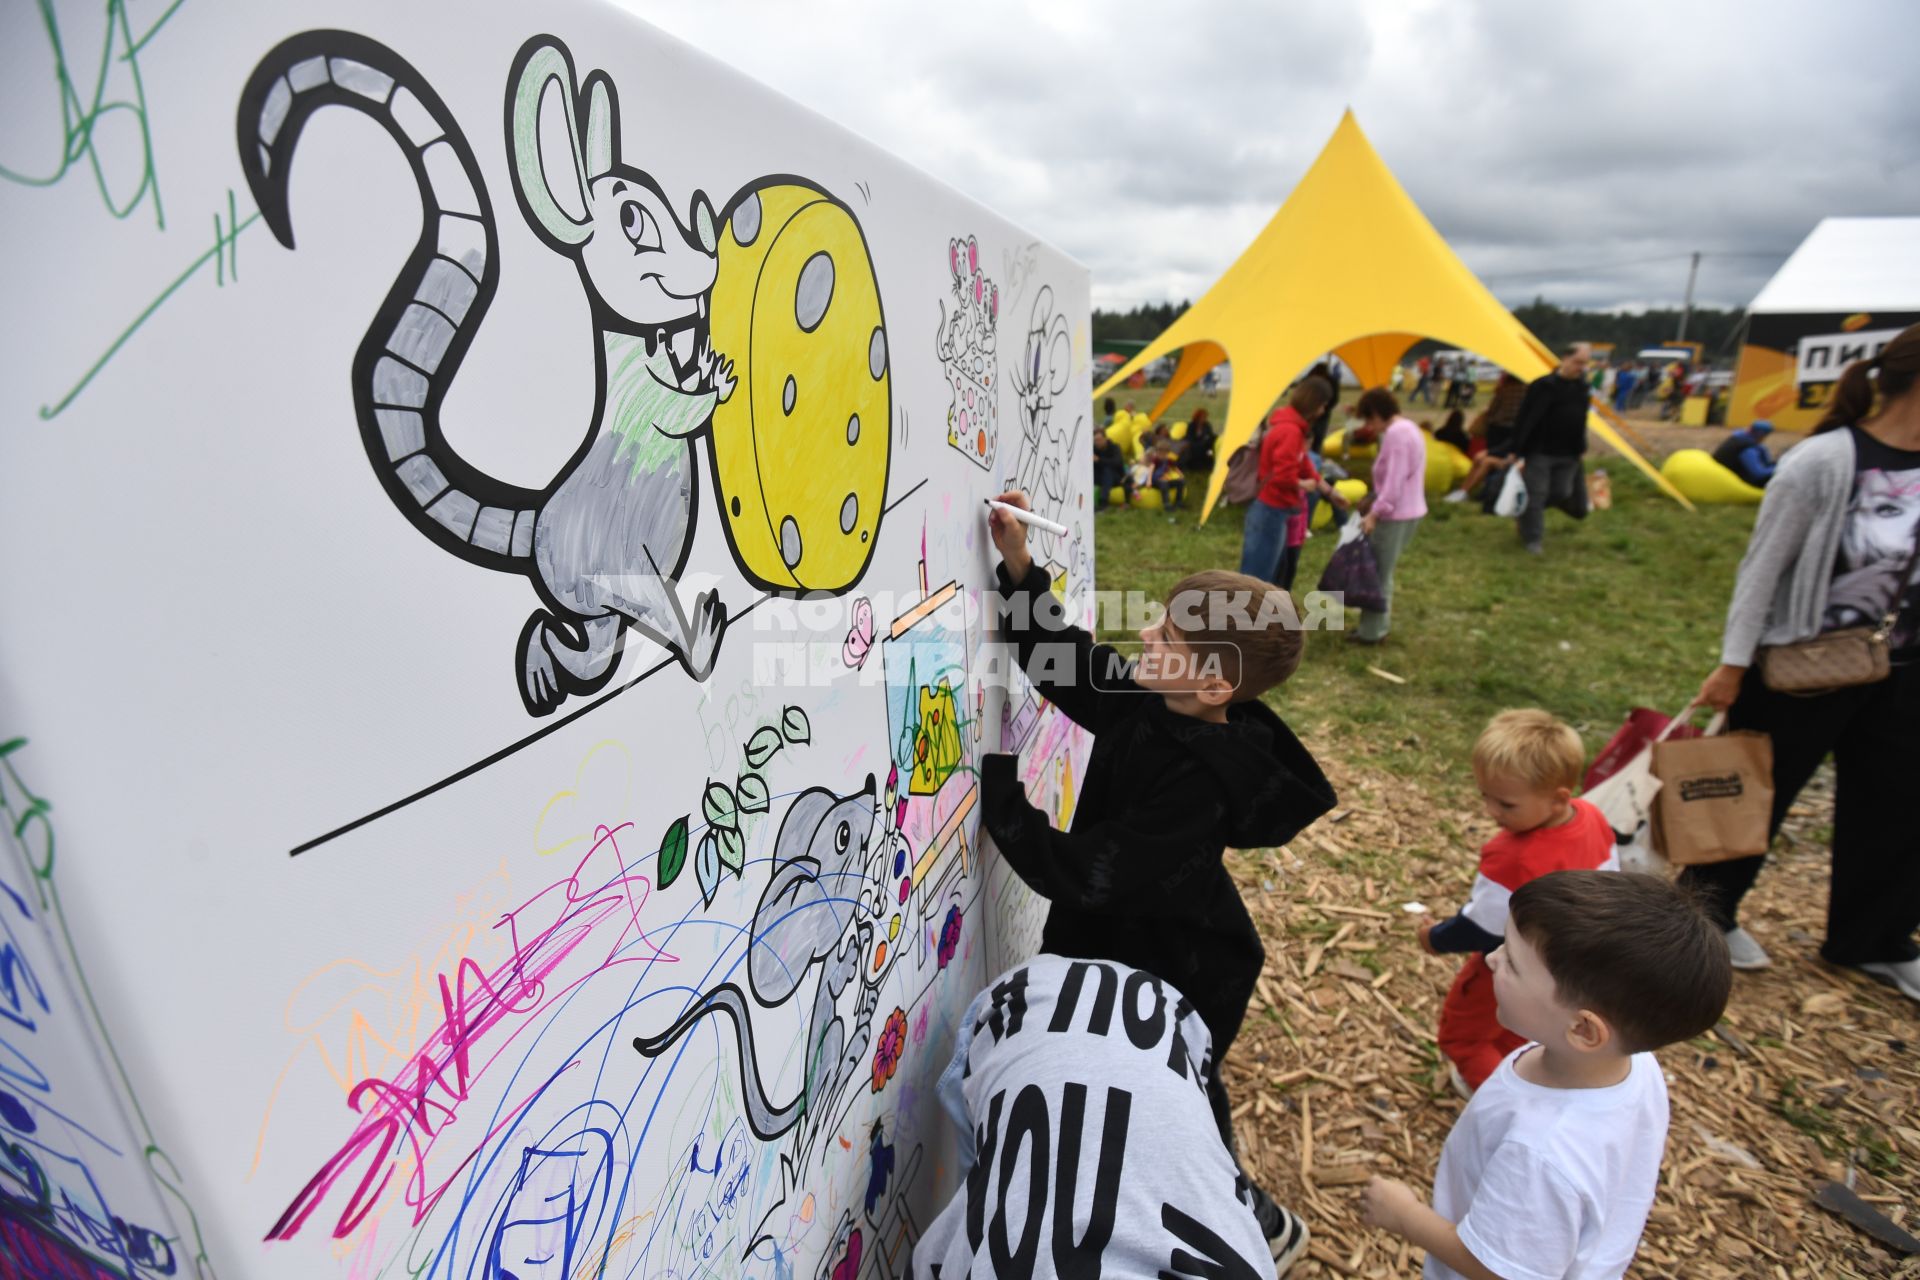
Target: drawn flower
949	936
886	1054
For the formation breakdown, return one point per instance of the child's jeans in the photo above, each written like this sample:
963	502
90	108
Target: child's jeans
1264	540
1470	1030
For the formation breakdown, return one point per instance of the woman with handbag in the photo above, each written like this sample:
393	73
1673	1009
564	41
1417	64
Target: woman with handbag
1822	652
1398	502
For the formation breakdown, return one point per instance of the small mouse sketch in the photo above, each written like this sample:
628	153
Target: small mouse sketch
812	912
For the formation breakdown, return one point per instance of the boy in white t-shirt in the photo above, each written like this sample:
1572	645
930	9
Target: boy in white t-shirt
1550	1171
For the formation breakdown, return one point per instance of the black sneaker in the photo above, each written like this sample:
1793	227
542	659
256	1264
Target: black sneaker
1286	1234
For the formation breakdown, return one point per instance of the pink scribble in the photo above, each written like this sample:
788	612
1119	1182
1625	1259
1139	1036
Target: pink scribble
422	1099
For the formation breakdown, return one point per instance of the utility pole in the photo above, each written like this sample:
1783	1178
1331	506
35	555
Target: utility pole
1686	311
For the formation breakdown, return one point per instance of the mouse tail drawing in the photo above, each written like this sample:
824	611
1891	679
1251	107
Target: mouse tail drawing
414	345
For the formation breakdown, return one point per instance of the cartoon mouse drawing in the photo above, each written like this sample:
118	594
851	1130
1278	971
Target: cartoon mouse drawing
605	541
1040	380
810	913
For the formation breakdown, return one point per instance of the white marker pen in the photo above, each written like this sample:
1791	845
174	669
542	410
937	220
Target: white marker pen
1027	517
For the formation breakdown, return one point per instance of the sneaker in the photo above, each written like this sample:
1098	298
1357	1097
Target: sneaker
1746	953
1903	976
1459	1082
1535	549
1458	495
1287	1237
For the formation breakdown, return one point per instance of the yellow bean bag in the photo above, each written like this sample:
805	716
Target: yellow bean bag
1178	431
1122	434
1146	499
1336	448
1695	473
1351	490
1446	467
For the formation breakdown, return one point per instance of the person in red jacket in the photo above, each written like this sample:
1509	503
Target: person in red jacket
1284	469
1527	764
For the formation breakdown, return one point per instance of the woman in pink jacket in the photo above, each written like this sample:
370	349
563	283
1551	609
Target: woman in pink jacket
1398	502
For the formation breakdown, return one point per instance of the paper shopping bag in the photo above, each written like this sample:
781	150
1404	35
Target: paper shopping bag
1716	796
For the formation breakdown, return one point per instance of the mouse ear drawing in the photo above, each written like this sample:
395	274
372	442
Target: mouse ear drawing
549	162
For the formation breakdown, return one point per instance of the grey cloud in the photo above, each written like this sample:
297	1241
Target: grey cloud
1577	152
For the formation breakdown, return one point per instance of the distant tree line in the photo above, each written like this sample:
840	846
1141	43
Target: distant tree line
1138	325
1558	327
1555	326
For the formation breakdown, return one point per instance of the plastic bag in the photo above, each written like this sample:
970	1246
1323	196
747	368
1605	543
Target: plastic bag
1643	725
1354	572
1623	787
1513	493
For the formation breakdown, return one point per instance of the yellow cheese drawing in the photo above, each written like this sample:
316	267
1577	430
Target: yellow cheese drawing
800	450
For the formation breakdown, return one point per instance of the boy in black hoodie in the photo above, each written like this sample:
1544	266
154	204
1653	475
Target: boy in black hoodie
1186	760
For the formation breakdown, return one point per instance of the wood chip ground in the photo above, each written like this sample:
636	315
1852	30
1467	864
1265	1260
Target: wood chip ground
1813	1075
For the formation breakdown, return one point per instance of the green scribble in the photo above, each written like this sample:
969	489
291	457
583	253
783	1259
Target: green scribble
225	255
82	110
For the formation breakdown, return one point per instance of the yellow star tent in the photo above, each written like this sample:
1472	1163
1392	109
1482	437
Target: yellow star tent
1350	265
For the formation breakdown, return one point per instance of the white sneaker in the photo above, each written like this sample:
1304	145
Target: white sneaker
1458	495
1747	953
1903	976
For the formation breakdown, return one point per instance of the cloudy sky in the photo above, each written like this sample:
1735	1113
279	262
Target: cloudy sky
1580	153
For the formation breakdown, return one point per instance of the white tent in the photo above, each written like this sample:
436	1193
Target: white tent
1848	265
1851	285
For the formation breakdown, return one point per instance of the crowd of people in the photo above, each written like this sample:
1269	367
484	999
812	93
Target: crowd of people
1628	386
1575	971
1160	457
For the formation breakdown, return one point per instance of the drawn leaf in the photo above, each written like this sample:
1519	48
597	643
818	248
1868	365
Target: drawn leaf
706	866
795	726
718	804
733	849
751	791
762	746
673	852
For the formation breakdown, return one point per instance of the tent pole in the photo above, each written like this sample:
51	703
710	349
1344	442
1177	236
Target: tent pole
1686	311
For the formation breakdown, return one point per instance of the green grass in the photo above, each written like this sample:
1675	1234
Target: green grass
1624	610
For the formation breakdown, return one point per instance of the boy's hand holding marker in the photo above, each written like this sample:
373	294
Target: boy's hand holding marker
1009	534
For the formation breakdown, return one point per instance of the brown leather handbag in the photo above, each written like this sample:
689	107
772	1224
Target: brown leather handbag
1837	659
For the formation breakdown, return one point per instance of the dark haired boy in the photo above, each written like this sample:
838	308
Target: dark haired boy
1551	1169
1186	760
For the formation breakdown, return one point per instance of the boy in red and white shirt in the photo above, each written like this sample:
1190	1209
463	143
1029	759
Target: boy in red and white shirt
1526	764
